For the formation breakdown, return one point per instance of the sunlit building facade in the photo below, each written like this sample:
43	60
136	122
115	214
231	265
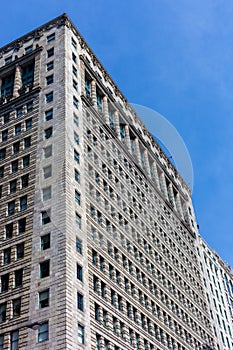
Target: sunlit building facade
98	232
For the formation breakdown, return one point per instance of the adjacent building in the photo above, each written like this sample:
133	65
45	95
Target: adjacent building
98	232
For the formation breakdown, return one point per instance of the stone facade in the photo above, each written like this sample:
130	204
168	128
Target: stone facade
109	258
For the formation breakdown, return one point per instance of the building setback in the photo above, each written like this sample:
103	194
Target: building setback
98	232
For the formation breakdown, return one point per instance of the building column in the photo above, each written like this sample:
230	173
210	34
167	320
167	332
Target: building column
146	163
105	110
127	138
172	198
178	205
137	151
117	125
155	175
36	80
18	81
163	186
93	93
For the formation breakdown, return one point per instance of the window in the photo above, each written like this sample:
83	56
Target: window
48	133
16	147
49	97
4	135
23	203
79	273
45	217
44	269
78	220
98	338
16	307
80	334
77	176
46	193
75	119
27	142
15	340
75	84
80	301
7	256
18	278
47	171
26	161
24	181
27	75
74	58
49	79
76	157
76	138
50	66
79	246
22	225
74	69
29	106
11	208
2	153
50	52
1	172
13	186
8	59
77	198
19	112
1	342
6	118
44	299
9	230
75	102
49	114
15	166
45	242
50	38
73	42
20	251
18	129
7	85
48	151
5	282
28	49
43	332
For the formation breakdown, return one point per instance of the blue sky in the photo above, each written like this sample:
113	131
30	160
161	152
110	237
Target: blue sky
175	57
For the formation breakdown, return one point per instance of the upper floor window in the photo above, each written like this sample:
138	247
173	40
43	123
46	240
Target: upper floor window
50	52
87	87
28	49
50	66
16	147
27	74
49	97
73	42
7	85
43	332
50	37
45	241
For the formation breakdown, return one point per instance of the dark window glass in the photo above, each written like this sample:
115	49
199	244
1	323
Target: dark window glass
5	282
1	172
77	176
45	217
16	304
7	256
44	299
27	142
50	66
43	332
26	161
20	251
9	230
7	85
80	301
13	186
78	245
2	153
2	312
23	203
16	147
24	180
15	166
79	273
22	225
29	107
49	79
11	208
14	340
50	38
18	129
6	118
45	242
50	52
49	114
19	112
49	97
27	75
48	133
28	124
4	135
18	278
44	269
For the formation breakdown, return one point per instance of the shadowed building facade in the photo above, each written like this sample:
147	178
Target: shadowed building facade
97	227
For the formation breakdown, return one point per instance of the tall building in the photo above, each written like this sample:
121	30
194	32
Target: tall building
217	278
97	227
